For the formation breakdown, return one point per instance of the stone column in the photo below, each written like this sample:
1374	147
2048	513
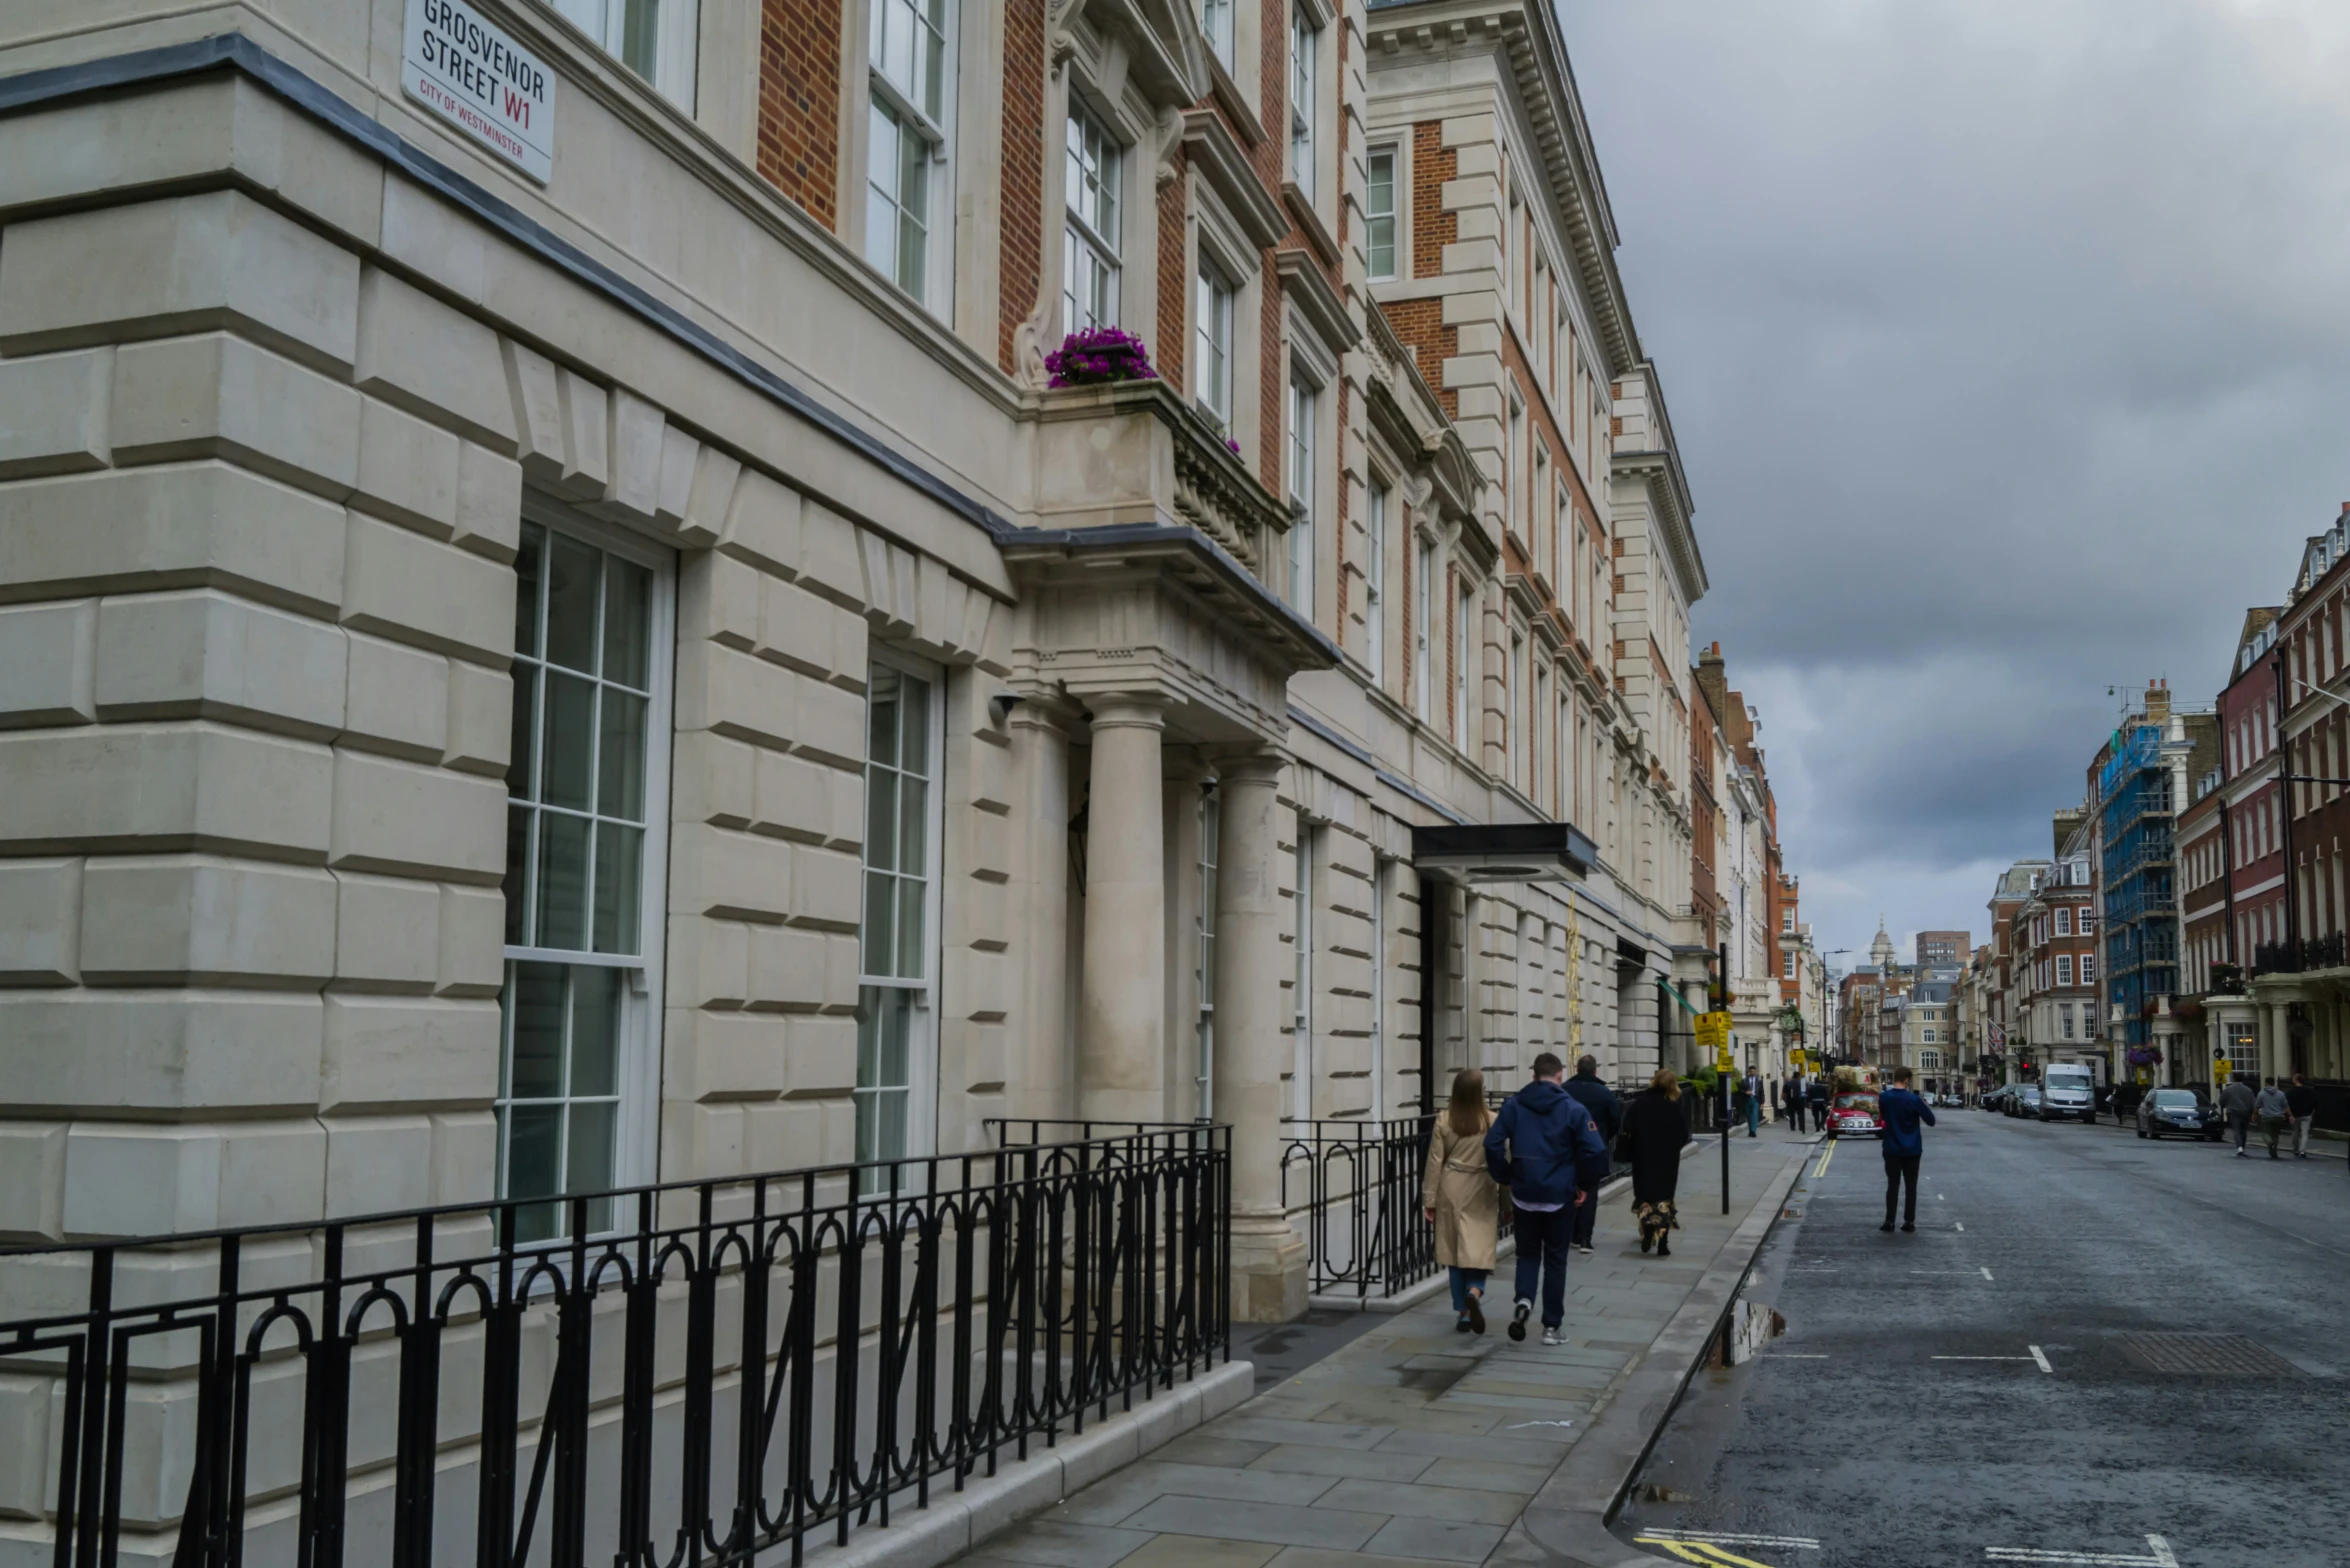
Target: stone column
1122	1011
1040	758
2276	1052
1268	1256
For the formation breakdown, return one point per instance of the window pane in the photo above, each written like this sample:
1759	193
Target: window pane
934	60
570	740
517	884
914	825
914	211
620	888
621	756
915	725
881	207
571	603
535	998
595	1031
913	922
521	774
881	716
562	889
628	622
879	936
881	818
526	589
534	1135
640	33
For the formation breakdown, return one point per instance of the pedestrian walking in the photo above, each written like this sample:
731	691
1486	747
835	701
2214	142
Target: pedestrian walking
1753	1106
2302	1100
1460	1199
1795	1101
1656	1127
1607	1112
1815	1098
2235	1101
2275	1112
1905	1144
1547	1150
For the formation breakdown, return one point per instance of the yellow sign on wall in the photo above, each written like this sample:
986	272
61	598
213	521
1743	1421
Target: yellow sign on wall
1713	1031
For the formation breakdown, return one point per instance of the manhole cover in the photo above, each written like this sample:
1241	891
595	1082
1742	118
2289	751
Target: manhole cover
2218	1355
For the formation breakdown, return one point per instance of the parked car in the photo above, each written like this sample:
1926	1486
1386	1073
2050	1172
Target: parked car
1995	1099
2025	1101
1853	1114
2068	1092
2181	1111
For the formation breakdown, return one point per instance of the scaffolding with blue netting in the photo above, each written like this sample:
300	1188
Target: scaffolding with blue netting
2138	870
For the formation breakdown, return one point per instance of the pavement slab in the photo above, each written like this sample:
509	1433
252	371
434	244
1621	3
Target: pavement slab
1405	1442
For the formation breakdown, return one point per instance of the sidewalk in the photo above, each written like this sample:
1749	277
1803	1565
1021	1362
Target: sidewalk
1413	1444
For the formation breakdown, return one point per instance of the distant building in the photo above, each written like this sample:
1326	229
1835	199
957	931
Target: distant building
1949	948
2138	784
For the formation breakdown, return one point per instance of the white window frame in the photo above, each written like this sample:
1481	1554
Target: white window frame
1093	165
1305	80
1216	24
1464	611
886	99
1374	218
1375	508
1301	1054
2064	920
637	1072
1211	839
1303	408
1423	630
1215	303
2064	969
674	35
922	1047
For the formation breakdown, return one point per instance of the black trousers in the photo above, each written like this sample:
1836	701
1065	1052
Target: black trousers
1795	1114
1901	1172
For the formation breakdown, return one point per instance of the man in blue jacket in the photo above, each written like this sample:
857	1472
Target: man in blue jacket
1546	1149
1905	1144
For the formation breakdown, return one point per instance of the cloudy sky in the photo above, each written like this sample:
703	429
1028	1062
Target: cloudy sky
2008	346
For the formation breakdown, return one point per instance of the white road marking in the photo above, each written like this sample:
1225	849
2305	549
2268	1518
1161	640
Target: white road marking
1987	1358
1521	1426
2158	1555
1961	1224
1800	1542
1987	1275
2041	1358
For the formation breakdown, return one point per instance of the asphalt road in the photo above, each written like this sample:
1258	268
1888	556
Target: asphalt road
1852	1443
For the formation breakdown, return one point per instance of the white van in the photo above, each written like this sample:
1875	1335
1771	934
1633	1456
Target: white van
2068	1091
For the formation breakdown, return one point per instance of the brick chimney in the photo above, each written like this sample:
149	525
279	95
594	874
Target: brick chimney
2158	702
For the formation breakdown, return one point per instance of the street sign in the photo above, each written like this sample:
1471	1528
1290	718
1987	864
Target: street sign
470	72
1795	1058
1713	1032
1724	1063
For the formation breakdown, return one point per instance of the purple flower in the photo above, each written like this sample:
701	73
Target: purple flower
1099	356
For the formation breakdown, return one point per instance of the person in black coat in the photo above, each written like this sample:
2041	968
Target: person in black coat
1607	1113
1656	1127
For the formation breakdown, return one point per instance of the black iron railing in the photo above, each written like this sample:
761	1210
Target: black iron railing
1353	1189
726	1369
2292	958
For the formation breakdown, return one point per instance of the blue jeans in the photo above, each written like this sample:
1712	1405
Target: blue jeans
1542	1257
1464	1281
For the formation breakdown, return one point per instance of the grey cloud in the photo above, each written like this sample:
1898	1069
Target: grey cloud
2006	346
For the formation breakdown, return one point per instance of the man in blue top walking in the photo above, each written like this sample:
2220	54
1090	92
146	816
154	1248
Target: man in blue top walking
1905	1144
1546	1149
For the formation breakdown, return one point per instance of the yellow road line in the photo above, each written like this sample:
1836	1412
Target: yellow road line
1826	1155
1700	1552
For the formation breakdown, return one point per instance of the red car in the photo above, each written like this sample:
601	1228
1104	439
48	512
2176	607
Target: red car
1854	1115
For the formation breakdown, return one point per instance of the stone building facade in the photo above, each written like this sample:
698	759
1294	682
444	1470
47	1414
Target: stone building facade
519	678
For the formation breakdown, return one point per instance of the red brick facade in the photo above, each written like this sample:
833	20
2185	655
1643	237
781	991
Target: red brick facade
799	112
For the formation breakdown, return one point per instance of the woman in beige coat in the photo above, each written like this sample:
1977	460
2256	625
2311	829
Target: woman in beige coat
1461	1199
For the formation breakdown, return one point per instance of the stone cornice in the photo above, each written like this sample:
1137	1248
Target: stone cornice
1305	286
1527	35
1223	163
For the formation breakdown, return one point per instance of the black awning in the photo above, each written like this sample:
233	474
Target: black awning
1503	852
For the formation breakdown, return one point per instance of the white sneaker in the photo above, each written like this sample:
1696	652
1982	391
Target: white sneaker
1518	1318
1550	1336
